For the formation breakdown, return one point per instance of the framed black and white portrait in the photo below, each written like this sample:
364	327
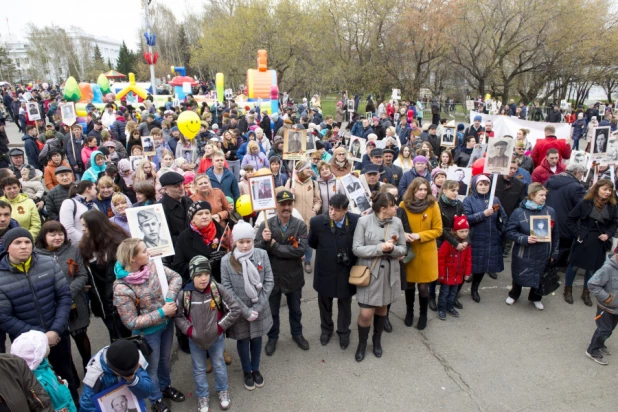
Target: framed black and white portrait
149	224
117	398
540	227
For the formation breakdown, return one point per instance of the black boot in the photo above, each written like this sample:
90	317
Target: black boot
378	327
388	328
409	307
422	320
363	335
476	282
432	304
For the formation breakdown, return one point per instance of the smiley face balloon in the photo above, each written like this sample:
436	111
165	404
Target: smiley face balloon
188	124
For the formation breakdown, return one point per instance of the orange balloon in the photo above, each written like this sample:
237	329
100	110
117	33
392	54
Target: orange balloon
87	93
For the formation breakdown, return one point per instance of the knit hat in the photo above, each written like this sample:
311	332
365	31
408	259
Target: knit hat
319	145
478	118
122	357
196	207
419	159
460	126
189	177
437	171
242	230
15	233
460	223
199	264
481	178
32	347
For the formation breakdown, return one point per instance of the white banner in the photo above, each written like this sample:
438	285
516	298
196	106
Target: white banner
509	125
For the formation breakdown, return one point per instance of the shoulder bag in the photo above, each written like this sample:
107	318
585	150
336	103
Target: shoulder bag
360	275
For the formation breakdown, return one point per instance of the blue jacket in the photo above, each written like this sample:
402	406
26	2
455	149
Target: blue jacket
99	378
39	300
530	260
242	150
93	172
408	177
524	176
228	183
12	224
357	129
403	133
486	232
58	393
579	128
32	151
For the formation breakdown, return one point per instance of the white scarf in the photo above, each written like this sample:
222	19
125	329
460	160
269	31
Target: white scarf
250	274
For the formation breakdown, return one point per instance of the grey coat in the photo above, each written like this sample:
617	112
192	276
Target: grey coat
385	282
234	283
76	283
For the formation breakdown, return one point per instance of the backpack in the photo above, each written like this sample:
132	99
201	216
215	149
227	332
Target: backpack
214	294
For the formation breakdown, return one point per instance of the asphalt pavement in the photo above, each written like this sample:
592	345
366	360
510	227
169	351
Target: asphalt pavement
493	358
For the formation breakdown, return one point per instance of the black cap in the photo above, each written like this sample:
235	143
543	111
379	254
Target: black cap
15	233
377	152
319	145
62	169
171	178
122	357
371	168
285	196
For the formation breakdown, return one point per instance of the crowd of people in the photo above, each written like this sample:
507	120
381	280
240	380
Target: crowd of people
68	251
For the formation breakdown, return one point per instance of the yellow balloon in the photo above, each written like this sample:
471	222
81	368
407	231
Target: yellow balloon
243	205
189	124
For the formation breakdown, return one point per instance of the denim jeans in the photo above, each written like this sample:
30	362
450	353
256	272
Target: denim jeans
571	272
575	144
446	299
249	351
235	168
308	254
293	299
198	360
159	360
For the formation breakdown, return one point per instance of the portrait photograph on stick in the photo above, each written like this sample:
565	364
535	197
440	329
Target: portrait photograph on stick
33	111
499	153
357	148
148	145
598	145
462	176
540	227
448	137
67	112
262	192
149	224
579	157
294	144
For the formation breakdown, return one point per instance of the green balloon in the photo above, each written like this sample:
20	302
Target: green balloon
71	90
103	83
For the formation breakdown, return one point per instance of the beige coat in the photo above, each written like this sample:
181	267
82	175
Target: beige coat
307	199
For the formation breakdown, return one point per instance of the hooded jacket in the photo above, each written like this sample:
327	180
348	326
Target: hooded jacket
543	172
539	151
203	324
121	220
33	188
604	285
32	151
564	192
37	299
22	392
100	377
94	170
228	183
24	210
408	177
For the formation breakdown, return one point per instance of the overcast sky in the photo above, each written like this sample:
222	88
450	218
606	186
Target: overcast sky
123	17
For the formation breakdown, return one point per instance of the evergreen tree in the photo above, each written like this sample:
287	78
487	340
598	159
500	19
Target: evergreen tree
109	65
126	60
97	57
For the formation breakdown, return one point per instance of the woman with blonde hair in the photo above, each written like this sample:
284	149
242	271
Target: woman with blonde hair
146	311
254	156
129	128
219	205
229	147
340	165
405	159
522	135
206	162
145	172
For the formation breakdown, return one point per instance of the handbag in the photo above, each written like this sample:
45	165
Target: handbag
550	280
140	343
409	256
360	275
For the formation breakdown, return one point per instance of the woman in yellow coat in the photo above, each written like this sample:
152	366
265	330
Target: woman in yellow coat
425	223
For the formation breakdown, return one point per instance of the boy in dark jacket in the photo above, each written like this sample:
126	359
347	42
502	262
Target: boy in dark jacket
454	267
205	311
603	287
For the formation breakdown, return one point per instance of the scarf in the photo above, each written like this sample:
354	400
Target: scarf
448	201
132	278
341	165
599	203
207	233
81	199
530	205
250	274
418	205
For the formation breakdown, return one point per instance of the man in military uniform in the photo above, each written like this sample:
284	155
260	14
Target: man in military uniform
150	226
500	159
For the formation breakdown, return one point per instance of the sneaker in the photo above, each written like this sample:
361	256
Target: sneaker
538	305
453	312
442	315
510	300
203	404
604	351
160	406
258	379
308	267
224	400
597	358
249	382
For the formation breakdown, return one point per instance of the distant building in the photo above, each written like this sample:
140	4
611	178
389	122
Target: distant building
84	45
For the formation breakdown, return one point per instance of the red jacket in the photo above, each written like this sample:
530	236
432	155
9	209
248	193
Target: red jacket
542	173
543	145
453	265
